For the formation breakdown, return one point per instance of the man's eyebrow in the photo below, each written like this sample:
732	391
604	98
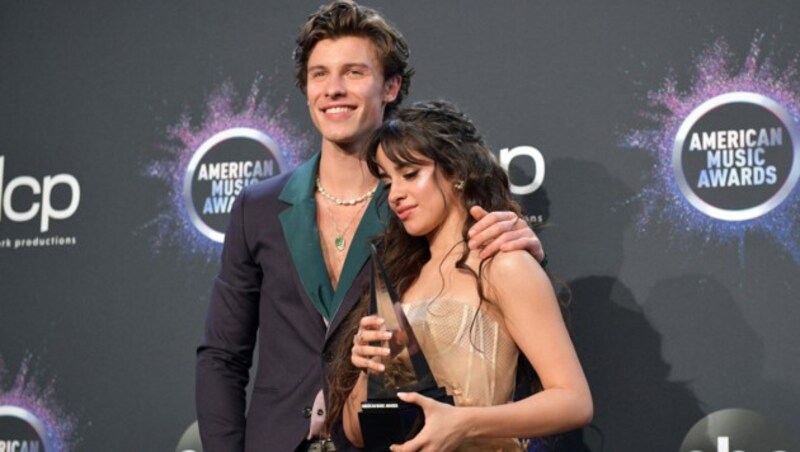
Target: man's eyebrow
357	65
346	67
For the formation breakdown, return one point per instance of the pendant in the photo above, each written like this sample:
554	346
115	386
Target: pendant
339	242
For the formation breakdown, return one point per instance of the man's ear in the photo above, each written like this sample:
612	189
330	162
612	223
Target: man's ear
391	88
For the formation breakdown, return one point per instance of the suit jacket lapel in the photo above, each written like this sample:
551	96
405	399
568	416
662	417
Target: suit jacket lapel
302	237
348	293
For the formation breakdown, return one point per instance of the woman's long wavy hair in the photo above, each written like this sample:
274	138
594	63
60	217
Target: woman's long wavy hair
438	131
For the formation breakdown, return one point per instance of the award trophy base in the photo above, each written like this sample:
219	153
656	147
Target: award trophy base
391	421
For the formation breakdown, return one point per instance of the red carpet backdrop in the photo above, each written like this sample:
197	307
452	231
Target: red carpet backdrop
659	140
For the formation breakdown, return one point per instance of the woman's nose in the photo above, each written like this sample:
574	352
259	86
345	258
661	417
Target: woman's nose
396	194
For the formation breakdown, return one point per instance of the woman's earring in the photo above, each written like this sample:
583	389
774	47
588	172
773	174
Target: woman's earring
459	185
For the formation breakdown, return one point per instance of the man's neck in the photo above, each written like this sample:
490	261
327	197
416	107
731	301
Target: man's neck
343	172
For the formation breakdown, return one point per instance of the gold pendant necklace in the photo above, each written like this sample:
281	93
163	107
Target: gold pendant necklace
339	241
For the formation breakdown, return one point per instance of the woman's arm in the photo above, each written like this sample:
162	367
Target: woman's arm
532	316
521	290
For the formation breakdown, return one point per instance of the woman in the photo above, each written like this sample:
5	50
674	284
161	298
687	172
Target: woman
471	317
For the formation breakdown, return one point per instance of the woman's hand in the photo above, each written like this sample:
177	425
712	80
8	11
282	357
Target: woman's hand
370	329
443	430
502	231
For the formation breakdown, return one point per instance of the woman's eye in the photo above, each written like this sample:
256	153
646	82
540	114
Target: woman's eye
410	175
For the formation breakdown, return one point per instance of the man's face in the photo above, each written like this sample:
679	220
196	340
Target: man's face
346	91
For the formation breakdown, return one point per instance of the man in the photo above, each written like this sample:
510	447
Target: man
293	263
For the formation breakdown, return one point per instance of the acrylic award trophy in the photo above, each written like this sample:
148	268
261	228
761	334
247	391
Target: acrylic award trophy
385	419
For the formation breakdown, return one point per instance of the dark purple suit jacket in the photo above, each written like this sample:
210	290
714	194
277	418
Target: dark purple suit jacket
260	293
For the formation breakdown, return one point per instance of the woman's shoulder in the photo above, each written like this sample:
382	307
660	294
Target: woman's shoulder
513	271
506	263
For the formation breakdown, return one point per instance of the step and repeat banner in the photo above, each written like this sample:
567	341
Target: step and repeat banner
660	141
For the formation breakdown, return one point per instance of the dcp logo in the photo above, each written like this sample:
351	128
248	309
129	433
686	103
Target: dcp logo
508	155
36	198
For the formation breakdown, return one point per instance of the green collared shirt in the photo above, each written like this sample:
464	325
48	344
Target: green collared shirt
299	224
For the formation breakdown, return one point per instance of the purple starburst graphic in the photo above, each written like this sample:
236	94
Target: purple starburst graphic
173	223
717	72
40	401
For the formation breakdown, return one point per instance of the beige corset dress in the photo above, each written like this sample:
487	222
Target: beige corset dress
475	361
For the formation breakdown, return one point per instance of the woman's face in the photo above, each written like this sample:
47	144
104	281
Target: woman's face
420	196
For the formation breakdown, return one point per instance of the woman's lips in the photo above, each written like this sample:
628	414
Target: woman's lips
403	213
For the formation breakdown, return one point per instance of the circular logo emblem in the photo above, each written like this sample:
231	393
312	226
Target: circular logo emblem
736	429
20	430
737	156
190	440
220	168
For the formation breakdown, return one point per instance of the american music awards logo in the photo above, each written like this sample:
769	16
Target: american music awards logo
727	151
209	164
31	420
